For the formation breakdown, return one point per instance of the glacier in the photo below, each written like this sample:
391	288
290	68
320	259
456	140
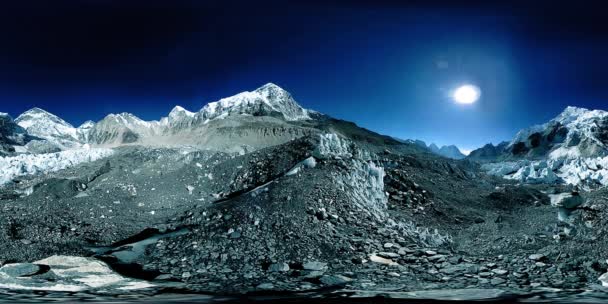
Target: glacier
30	164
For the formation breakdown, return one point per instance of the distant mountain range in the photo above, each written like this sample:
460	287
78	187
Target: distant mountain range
244	122
571	148
449	151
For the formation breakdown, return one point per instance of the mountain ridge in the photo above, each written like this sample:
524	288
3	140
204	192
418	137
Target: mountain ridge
575	132
246	121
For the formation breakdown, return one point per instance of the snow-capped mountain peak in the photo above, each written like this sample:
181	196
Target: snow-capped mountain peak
42	124
574	132
87	125
37	115
571	148
84	130
571	114
179	112
266	100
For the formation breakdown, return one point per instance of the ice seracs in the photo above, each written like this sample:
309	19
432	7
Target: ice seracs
572	148
30	164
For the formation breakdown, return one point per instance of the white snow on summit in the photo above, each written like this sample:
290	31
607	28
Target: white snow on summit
179	111
42	124
268	98
581	124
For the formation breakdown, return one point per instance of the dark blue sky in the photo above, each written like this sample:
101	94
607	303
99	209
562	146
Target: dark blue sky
387	65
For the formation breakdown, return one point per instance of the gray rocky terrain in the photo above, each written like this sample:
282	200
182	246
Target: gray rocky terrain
271	197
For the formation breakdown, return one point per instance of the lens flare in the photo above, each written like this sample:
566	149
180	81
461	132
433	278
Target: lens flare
467	94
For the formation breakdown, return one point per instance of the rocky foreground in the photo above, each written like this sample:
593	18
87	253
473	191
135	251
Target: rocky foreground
320	211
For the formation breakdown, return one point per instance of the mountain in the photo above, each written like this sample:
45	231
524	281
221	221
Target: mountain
576	132
449	151
122	128
489	152
42	124
268	100
310	202
11	134
241	123
571	148
84	130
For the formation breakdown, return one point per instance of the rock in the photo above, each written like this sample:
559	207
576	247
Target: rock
536	257
315	266
190	189
186	275
430	252
165	277
265	286
322	215
20	269
388	245
567	200
335	280
497	281
500	272
357	260
235	235
388	255
455	259
437	258
520	274
380	260
312	274
393	274
278	267
485	274
453	269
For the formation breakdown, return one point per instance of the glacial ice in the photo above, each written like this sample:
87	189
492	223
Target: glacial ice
72	274
29	164
333	146
574	171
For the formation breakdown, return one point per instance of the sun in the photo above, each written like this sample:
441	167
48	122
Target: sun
467	94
